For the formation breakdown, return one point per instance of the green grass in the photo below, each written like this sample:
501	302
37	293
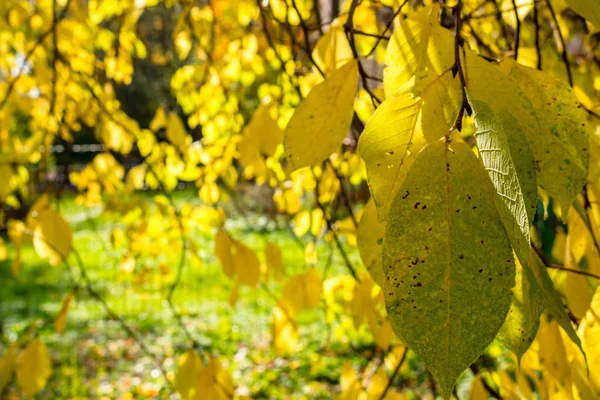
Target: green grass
94	357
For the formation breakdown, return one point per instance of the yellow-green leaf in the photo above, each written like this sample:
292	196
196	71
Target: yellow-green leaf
523	319
561	150
398	129
506	156
33	368
369	237
321	122
448	262
588	9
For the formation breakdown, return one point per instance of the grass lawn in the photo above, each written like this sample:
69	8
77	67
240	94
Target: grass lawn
95	358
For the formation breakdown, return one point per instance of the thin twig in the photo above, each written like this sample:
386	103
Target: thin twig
517	30
387	27
393	376
562	43
547	264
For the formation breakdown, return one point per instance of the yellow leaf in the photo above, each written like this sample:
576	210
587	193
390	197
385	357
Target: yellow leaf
188	371
332	50
3	251
146	142
478	391
33	368
285	329
237	259
160	119
420	46
8	364
246	264
61	319
176	132
322	120
274	261
223	251
589	332
303	290
41	204
261	136
553	359
235	294
135	177
16	233
52	237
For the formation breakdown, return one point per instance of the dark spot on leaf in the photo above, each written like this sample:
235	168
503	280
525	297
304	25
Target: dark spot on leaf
416	205
481	270
424	206
406	195
461	256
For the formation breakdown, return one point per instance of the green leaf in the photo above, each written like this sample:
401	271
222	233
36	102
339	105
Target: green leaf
552	301
523	319
561	150
495	130
321	122
588	9
420	47
401	126
503	117
369	237
448	262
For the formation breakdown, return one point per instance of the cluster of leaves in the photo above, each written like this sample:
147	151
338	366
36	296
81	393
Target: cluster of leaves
473	122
